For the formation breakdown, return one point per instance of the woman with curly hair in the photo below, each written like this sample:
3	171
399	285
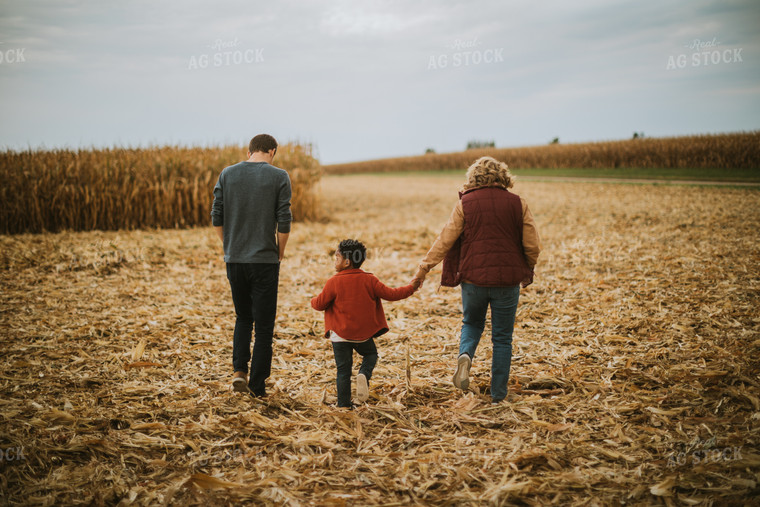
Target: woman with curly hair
489	245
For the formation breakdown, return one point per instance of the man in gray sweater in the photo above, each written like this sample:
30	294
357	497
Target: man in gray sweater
251	202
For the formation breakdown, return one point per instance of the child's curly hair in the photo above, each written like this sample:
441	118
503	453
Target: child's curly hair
488	172
353	250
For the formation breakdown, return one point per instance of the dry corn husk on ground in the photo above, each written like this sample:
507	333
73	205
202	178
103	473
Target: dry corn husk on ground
635	375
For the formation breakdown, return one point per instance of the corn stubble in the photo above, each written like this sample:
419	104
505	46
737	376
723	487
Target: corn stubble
634	378
167	187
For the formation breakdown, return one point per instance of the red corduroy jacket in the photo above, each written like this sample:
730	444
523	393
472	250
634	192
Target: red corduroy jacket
352	306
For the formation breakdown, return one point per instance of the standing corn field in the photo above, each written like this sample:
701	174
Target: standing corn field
123	188
723	151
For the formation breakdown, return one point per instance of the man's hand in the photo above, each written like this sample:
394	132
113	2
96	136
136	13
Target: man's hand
220	232
282	241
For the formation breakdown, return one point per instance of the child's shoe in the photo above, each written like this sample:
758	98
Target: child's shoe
462	375
362	388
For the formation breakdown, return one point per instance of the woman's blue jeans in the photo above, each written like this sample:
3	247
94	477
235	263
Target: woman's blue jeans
503	303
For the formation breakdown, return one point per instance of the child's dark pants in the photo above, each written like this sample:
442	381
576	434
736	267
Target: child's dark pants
344	352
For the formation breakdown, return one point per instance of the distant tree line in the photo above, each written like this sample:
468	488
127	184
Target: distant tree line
473	145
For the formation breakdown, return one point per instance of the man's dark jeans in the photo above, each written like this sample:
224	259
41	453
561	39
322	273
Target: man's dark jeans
254	293
344	360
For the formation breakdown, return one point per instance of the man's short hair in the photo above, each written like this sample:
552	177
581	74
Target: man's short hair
354	251
263	143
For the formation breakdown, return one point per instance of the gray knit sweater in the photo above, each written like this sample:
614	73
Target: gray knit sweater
251	201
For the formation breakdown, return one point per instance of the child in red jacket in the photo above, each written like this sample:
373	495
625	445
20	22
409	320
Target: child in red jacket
354	316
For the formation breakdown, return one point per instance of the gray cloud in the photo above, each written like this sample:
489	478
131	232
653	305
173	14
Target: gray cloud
372	79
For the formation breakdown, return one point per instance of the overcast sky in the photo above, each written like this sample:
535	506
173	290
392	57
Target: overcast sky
369	79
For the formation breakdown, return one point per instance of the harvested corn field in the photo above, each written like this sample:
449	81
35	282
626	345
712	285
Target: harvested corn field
635	374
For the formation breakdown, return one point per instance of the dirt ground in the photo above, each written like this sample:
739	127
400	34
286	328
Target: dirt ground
635	374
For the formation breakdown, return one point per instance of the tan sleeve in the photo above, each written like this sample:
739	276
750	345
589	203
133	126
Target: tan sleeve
531	241
443	243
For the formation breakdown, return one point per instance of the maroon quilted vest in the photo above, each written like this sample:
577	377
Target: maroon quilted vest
489	251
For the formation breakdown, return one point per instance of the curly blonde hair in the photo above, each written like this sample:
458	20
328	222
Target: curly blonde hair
488	172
